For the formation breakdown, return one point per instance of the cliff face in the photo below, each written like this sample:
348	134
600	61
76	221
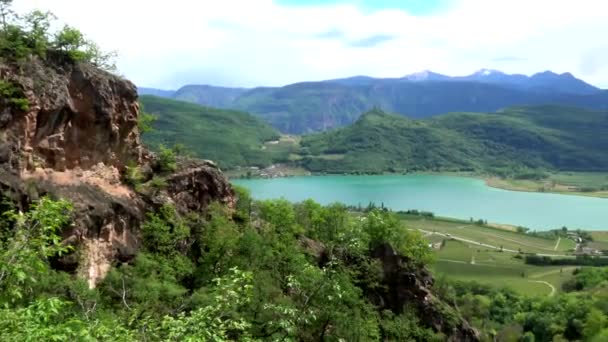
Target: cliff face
78	116
74	142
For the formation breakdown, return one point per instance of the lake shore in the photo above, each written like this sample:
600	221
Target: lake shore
554	184
541	186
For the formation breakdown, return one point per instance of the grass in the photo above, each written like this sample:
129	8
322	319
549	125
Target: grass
600	241
461	261
468	261
490	236
593	184
228	137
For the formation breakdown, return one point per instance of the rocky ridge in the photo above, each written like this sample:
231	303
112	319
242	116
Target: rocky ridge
74	141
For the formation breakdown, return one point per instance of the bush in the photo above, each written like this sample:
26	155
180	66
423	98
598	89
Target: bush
23	36
133	175
167	160
14	96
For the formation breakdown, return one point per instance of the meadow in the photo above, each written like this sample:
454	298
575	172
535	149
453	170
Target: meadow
469	252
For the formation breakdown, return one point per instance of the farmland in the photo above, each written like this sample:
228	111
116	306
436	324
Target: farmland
493	256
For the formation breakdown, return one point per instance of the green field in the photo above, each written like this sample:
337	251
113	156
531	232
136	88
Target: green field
461	257
490	236
593	184
460	261
600	241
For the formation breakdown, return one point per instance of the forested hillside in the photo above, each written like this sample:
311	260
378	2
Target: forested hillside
317	106
550	137
230	137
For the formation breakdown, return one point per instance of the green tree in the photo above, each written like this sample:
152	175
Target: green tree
25	251
595	322
167	160
145	122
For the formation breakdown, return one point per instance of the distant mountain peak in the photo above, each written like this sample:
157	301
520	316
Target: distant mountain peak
425	75
487	72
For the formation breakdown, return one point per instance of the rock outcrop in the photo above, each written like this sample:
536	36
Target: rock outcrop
78	116
406	285
75	141
401	285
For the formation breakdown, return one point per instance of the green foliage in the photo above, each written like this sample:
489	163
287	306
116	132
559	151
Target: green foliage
316	106
31	34
26	247
230	138
145	122
587	278
212	278
385	227
515	143
165	232
569	317
221	318
133	175
13	96
167	160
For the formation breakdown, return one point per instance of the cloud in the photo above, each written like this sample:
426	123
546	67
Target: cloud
508	59
371	41
333	33
250	43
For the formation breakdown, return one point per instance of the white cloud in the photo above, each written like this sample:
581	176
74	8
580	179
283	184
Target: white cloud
256	42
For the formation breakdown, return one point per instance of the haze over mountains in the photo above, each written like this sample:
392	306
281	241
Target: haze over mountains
317	106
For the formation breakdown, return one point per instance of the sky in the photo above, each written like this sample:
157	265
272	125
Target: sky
248	43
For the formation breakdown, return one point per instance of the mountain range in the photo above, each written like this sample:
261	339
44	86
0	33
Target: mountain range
508	141
317	106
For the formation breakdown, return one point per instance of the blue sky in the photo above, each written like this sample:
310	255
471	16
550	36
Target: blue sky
276	42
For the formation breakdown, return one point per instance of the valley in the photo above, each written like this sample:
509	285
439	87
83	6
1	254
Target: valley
253	204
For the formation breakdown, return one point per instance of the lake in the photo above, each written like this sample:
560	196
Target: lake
448	196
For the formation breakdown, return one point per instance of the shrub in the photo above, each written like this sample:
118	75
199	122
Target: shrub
167	160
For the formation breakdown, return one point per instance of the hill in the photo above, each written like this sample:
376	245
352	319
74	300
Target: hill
317	106
554	137
221	97
231	138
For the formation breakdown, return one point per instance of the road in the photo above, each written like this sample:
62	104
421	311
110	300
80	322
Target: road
546	283
450	236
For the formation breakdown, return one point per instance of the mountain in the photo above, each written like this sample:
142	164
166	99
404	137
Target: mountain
316	106
212	96
540	82
230	138
155	92
556	137
425	75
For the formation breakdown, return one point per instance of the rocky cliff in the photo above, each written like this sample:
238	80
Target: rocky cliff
72	138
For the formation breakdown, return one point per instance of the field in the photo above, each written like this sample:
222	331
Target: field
460	261
484	236
594	184
473	253
600	241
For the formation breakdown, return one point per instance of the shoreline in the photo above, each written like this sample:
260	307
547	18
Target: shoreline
503	184
533	186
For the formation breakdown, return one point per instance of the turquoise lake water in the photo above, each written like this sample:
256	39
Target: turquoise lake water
443	195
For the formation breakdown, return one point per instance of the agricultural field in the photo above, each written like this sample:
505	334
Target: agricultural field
600	241
473	253
461	261
593	184
510	241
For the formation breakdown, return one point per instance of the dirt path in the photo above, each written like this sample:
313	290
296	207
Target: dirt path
557	243
546	283
469	241
450	236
